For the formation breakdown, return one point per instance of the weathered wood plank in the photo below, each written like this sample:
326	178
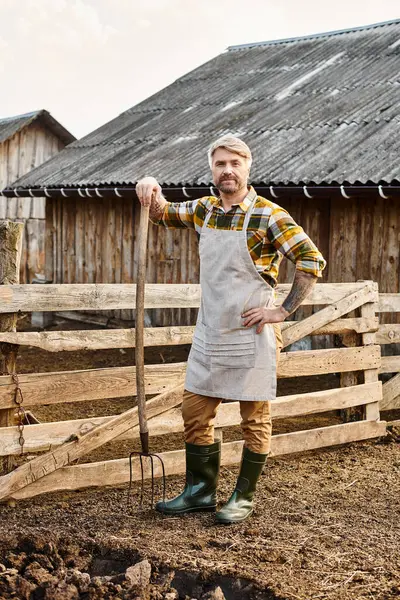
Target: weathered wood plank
390	364
116	472
92	384
391	394
389	303
388	334
315	362
45	436
371	411
10	257
65	297
118	382
350	379
44	464
57	341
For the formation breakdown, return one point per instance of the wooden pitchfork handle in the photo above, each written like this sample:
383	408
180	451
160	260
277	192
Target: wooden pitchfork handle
139	326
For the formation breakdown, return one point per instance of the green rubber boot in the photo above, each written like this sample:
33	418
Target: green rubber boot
240	505
200	493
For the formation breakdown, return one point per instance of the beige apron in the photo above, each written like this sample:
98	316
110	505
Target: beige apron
228	360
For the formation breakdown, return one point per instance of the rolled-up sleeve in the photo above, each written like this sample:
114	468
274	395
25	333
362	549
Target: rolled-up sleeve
178	214
291	240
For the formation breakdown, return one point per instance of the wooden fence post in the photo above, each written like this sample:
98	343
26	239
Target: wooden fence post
371	411
10	257
350	378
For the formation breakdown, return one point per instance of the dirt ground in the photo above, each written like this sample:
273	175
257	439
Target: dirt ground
326	523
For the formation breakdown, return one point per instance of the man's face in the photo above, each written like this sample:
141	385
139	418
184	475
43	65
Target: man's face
230	171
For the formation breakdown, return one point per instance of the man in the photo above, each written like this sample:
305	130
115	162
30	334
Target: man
237	338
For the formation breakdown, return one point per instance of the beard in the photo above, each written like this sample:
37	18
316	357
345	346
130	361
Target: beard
229	185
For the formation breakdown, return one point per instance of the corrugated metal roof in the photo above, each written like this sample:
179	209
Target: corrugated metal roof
317	109
9	126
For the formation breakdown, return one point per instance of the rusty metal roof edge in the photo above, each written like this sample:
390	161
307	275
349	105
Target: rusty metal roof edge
312	36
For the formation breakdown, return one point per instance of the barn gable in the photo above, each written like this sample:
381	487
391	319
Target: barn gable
26	141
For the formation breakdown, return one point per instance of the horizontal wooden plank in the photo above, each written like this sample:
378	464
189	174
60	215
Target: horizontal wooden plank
45	436
116	472
118	382
343	326
95	296
111	296
92	384
388	334
57	341
336	360
390	364
389	303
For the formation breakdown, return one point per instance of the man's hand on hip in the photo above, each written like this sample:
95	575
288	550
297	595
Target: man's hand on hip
261	316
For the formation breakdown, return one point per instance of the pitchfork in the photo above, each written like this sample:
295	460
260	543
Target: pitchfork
139	360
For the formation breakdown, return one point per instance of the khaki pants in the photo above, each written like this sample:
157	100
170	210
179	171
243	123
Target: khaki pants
199	413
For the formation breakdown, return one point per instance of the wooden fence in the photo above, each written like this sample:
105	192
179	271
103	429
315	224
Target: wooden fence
66	441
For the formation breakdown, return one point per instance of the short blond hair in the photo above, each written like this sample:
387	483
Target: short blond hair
232	144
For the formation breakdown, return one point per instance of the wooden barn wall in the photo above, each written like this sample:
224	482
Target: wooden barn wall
359	237
25	150
93	241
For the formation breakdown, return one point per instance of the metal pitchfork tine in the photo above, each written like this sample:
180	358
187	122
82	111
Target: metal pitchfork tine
139	360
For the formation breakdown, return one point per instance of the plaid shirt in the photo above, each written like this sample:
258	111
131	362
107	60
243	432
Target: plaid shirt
271	231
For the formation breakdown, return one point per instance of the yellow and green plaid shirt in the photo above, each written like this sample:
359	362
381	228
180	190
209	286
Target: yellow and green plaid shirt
271	231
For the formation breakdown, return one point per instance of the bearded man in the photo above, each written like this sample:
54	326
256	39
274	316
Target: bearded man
237	338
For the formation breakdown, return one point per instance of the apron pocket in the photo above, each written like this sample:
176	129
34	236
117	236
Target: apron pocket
230	349
198	349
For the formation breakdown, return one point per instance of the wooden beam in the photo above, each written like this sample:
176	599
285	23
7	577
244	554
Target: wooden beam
386	334
318	362
112	296
390	364
116	472
389	303
344	326
59	341
46	436
332	312
11	236
368	310
119	382
350	378
47	463
96	296
91	384
391	394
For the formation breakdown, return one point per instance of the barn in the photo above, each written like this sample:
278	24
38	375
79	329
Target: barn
322	116
26	141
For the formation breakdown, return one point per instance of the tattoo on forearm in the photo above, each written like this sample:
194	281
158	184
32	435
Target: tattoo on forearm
157	207
302	285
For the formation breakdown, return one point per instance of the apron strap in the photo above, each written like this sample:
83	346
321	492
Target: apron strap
247	217
207	218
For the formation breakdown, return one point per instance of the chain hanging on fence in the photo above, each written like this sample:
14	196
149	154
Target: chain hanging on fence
21	414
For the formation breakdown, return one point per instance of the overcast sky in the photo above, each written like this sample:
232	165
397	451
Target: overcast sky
86	61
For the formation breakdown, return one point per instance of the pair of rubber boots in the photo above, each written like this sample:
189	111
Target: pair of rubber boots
200	493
